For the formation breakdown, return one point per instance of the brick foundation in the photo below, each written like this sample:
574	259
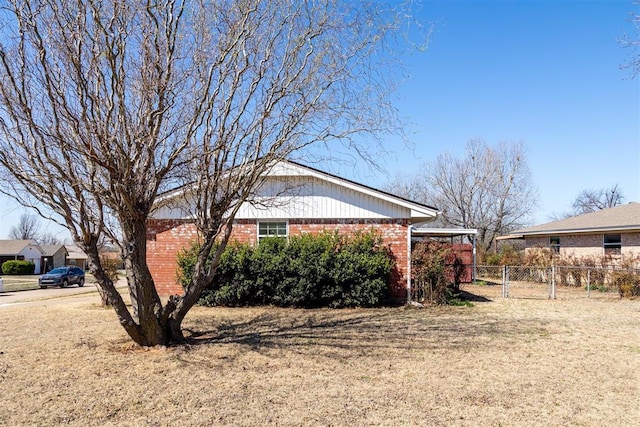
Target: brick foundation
165	238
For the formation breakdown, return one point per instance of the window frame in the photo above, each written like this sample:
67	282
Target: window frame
261	236
555	247
613	247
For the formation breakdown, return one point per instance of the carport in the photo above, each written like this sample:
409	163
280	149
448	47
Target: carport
419	232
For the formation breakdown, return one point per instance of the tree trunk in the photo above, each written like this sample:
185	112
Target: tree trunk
104	297
145	301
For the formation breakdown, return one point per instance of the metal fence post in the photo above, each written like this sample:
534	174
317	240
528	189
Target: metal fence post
504	281
588	283
553	282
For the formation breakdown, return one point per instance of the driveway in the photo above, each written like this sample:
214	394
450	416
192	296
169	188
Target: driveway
52	295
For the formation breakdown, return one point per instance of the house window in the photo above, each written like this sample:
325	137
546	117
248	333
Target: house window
272	229
612	244
554	243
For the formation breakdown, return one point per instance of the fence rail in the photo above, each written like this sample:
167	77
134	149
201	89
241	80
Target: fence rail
566	281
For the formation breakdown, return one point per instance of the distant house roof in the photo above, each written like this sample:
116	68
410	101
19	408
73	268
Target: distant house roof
14	247
620	218
75	252
50	250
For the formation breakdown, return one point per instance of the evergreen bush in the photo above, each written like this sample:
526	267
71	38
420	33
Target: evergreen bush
18	267
311	270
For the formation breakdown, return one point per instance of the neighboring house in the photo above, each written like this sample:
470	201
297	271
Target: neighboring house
54	256
612	233
26	250
75	256
300	200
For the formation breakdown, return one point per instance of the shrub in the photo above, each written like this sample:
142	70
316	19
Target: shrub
627	282
110	266
508	255
597	274
493	259
539	257
18	267
311	270
430	271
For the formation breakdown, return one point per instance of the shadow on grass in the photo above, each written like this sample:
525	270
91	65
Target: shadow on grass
486	282
356	333
468	296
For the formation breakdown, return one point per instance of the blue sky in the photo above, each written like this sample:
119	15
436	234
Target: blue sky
546	73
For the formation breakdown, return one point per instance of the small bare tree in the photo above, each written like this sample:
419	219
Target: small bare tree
49	239
588	201
27	228
103	104
594	200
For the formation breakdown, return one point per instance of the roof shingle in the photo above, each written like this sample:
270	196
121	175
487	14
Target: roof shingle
620	218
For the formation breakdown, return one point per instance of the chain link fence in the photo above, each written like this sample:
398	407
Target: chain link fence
563	282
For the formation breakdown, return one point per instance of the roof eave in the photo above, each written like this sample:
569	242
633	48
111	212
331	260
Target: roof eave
588	230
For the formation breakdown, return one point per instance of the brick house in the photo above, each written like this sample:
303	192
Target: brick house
301	200
612	233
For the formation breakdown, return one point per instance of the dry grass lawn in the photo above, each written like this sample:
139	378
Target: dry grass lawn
506	362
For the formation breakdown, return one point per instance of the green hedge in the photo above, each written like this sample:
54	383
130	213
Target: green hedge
311	270
18	267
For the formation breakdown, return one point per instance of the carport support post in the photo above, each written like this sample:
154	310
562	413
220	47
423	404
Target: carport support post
473	271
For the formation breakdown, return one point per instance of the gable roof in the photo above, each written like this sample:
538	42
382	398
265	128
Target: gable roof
620	218
50	250
74	252
14	247
417	209
289	168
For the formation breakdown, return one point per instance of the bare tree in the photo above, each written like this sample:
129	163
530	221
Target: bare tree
27	228
594	200
588	201
489	189
49	239
103	104
411	186
632	43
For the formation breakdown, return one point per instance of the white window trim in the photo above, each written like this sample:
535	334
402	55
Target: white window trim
286	222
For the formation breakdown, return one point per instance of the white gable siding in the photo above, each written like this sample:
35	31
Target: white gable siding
32	253
305	197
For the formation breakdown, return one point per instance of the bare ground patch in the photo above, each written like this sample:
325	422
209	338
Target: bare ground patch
502	362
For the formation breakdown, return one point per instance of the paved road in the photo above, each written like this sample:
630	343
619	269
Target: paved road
50	296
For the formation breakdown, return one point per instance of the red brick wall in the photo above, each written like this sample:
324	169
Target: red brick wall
166	238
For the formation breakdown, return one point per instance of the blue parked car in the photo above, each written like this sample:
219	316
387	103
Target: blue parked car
63	277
